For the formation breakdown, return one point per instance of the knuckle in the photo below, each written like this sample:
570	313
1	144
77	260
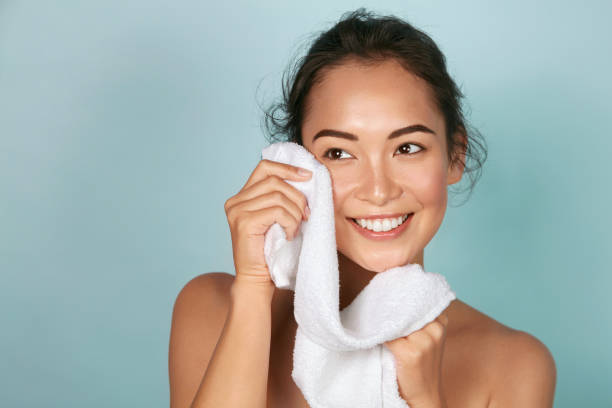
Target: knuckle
428	341
421	339
274	179
437	330
227	204
417	335
443	318
230	213
278	211
304	200
278	195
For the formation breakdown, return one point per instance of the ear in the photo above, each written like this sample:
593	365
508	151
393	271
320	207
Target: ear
455	169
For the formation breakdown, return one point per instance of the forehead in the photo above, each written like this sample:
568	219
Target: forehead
380	96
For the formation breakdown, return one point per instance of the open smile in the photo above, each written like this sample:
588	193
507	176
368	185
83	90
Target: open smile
381	229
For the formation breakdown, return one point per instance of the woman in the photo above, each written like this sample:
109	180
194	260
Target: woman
372	100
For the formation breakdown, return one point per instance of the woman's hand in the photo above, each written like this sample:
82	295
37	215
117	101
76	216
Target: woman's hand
266	198
418	362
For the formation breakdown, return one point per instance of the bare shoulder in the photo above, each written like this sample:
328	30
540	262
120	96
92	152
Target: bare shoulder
203	298
526	373
214	285
519	369
198	317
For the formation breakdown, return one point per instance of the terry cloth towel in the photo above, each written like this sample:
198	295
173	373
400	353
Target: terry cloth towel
339	359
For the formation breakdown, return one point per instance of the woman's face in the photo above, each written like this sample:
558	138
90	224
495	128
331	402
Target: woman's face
354	127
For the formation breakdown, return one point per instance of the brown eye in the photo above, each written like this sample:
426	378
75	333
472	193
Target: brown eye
404	149
334	154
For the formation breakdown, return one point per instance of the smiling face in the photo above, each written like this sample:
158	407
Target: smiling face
382	138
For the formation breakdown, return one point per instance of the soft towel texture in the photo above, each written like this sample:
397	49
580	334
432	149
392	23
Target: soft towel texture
339	359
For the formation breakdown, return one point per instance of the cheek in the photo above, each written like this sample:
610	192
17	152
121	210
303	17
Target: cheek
342	184
429	186
429	189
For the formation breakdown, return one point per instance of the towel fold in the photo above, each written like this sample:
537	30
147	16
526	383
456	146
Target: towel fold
339	359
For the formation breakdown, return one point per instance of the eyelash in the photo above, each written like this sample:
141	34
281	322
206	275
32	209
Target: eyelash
326	154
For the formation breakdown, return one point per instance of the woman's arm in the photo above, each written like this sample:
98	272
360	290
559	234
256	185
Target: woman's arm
237	375
216	363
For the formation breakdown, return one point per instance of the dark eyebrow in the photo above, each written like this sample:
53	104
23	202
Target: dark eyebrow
394	134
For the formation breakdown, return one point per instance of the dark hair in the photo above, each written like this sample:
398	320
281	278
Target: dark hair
362	36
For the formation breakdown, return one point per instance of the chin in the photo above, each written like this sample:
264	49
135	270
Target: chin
381	265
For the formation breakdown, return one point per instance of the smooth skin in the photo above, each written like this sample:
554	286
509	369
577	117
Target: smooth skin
463	358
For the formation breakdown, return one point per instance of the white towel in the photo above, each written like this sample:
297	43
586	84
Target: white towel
339	359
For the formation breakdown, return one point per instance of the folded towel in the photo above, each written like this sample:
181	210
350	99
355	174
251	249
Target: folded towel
339	359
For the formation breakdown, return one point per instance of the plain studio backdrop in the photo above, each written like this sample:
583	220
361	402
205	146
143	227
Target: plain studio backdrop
124	127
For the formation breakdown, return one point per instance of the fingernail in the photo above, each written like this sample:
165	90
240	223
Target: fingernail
307	211
304	172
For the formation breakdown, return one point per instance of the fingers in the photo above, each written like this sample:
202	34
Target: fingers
434	330
265	199
266	168
291	195
273	206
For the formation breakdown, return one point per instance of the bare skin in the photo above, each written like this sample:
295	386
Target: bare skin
360	109
468	379
476	352
484	363
479	366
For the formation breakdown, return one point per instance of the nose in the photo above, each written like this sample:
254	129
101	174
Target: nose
377	185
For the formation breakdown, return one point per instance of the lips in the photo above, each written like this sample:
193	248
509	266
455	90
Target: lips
381	235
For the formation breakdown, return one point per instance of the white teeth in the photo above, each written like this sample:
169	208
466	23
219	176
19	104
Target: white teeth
384	224
377	226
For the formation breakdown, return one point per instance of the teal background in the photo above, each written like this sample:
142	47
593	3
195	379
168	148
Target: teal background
124	127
